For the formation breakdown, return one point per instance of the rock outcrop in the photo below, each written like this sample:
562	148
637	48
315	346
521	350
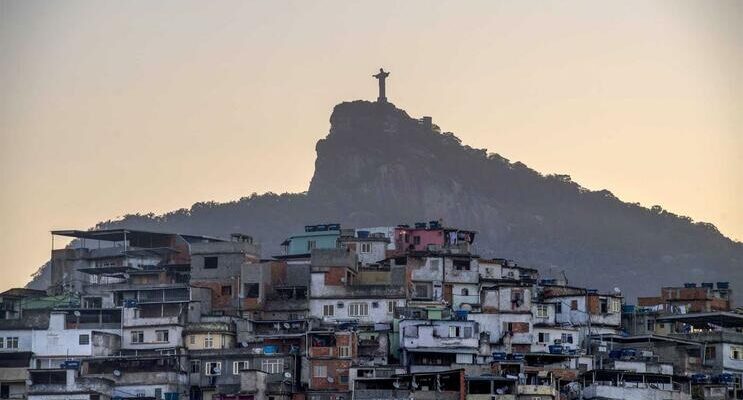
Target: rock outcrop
379	166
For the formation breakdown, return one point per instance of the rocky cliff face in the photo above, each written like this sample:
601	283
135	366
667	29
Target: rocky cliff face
379	166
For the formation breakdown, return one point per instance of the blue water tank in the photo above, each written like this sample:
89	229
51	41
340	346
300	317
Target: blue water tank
556	349
272	349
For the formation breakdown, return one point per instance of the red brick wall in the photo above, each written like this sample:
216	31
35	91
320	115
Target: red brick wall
335	369
219	301
649	301
334	277
592	304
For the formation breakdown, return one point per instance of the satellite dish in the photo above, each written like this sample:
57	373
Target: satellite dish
117	373
286	325
76	313
244	344
617	290
287	375
330	379
217	370
396	384
29	382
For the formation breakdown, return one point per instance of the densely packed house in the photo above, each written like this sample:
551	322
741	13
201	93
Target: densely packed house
402	312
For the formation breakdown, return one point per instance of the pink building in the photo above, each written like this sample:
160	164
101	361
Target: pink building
430	237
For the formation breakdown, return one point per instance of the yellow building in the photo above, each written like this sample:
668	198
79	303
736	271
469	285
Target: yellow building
209	335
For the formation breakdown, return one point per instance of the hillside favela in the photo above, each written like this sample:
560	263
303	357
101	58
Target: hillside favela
414	309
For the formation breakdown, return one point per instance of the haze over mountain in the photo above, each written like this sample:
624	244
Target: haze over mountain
378	166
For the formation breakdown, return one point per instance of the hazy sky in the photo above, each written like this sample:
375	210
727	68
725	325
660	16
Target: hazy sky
111	107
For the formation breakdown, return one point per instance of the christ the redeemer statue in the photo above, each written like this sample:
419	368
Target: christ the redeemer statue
381	76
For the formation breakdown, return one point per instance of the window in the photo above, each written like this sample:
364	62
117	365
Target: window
137	336
320	371
358	310
573	305
542	311
416	240
4	391
366	247
343	379
517	299
92	302
465	292
238	365
558	308
615	306
311	244
252	290
736	352
211	262
158	393
567	338
604	306
421	291
651	325
208	342
273	365
434	262
544	337
710	353
461	265
161	335
195	366
390	307
344	351
213	368
411	331
454	331
226	290
11	342
2	340
328	310
467	332
83	339
192	339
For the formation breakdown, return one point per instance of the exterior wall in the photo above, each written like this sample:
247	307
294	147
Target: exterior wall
494	325
376	253
25	340
175	339
549	319
298	244
578	316
728	363
427	237
471	275
437	334
621	393
555	333
380	314
427	269
220	340
59	342
387	231
506	295
458	299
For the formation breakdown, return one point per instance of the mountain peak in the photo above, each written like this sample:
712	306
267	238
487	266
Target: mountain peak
379	166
